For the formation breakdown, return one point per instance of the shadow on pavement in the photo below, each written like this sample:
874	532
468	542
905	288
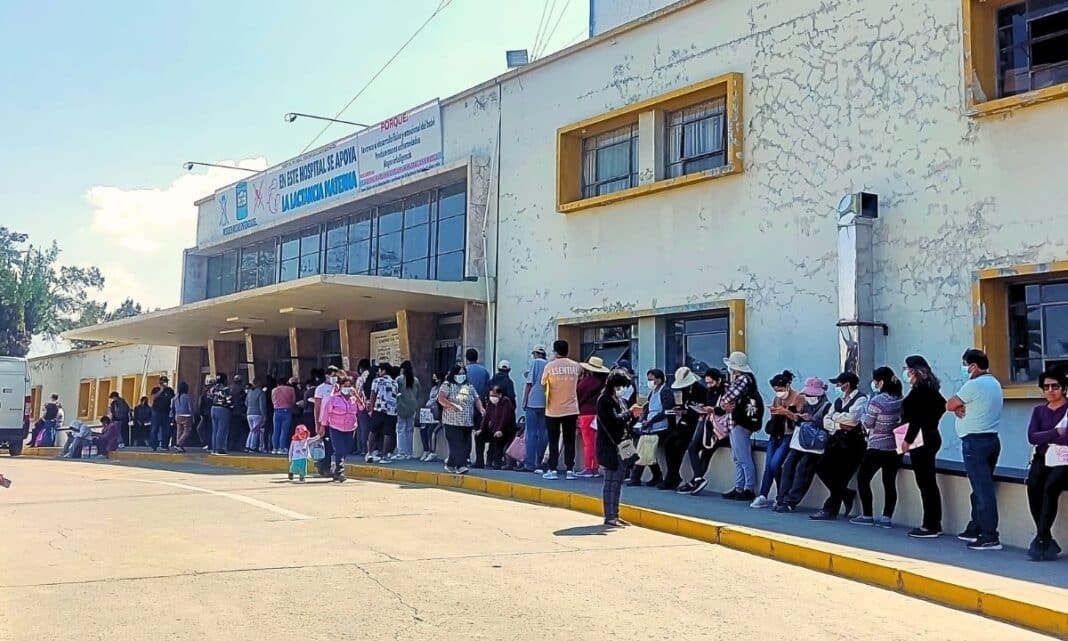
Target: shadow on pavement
584	530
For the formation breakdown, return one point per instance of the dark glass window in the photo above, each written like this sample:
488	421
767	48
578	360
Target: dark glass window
696	138
450	266
1032	46
258	265
300	254
1038	329
452	200
222	274
611	343
698	342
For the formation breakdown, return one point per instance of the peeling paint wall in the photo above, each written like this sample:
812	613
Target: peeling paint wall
841	95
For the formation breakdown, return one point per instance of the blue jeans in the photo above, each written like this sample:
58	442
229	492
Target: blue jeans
283	423
363	433
981	452
160	436
343	442
537	437
778	448
220	428
405	435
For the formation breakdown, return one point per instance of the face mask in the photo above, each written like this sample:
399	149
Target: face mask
461	378
495	399
874	387
905	374
331	379
782	394
965	371
623	393
650	384
347	391
812	400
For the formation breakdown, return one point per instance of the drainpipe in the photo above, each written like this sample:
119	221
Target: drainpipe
493	187
856	289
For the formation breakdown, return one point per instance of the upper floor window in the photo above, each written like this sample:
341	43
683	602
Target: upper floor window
258	265
610	161
222	274
1038	328
696	138
300	254
1032	46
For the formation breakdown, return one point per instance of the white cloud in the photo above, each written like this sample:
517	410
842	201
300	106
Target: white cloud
147	222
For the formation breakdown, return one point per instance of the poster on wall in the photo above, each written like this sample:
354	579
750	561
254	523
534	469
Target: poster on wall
385	346
305	184
397	147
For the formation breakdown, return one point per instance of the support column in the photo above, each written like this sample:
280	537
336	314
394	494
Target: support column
222	357
475	330
260	350
355	342
650	146
417	332
303	349
190	362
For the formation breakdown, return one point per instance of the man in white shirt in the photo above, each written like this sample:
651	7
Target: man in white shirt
322	391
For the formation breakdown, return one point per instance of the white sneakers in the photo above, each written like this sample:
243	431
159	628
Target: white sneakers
571	476
761	503
551	475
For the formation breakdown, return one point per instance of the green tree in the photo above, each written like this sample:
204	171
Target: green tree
94	312
38	297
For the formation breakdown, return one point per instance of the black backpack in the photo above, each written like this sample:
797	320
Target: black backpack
749	410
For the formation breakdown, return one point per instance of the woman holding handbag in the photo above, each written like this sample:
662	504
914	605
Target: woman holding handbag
657	422
806	446
614	447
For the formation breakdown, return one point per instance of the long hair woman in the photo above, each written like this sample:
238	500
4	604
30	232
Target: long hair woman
922	409
614	420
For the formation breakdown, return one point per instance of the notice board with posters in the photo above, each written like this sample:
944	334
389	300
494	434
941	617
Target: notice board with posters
385	346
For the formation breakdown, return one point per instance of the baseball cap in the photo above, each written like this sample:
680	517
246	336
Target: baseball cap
538	349
846	377
504	365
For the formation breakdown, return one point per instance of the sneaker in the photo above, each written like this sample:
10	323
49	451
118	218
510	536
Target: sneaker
374	459
290	476
206	448
431	457
761	503
551	475
968	536
463	470
1053	551
823	515
340	477
924	533
425	457
699	485
685	488
450	470
732	495
783	508
384	461
302	479
221	454
747	495
985	544
368	458
862	520
884	522
586	474
538	470
571	476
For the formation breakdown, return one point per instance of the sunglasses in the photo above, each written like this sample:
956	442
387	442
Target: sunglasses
1051	387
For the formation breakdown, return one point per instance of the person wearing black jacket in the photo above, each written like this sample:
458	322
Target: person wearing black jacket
922	409
845	447
162	401
614	420
503	378
498	428
657	418
238	434
703	443
678	440
203	428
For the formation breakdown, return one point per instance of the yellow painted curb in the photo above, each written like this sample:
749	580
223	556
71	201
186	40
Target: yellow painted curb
42	452
961	597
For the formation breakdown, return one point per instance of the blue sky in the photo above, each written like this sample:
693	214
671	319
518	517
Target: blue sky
103	102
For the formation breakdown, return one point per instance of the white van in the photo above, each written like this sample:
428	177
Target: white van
15	404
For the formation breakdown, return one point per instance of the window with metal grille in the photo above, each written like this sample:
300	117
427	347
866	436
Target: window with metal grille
1038	328
610	161
611	343
1032	43
697	138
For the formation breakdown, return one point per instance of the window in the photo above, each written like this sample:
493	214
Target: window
696	132
337	246
389	224
696	138
1016	53
359	248
35	402
222	274
258	265
300	254
104	388
450	239
416	246
1038	328
330	348
611	343
1032	46
700	343
85	399
610	161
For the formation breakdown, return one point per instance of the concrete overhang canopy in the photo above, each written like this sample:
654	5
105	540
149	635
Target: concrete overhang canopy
316	302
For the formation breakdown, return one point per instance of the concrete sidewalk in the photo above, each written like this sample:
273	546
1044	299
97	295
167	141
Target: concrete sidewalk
1003	585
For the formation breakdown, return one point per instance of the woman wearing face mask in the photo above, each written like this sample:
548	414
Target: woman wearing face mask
1045	482
656	419
459	402
339	415
498	426
785	411
799	468
922	409
845	447
409	400
614	420
881	417
704	444
428	429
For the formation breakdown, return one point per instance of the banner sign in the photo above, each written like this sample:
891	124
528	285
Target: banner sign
385	346
290	189
400	146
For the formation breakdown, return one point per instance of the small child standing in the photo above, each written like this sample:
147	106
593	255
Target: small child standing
300	452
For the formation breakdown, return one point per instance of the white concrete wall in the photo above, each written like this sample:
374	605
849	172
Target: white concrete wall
61	373
606	15
839	96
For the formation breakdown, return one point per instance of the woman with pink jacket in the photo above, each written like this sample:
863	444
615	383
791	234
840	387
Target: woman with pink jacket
338	414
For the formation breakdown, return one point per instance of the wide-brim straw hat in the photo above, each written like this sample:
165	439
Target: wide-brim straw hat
684	378
595	364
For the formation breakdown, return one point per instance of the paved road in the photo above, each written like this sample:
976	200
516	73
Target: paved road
116	552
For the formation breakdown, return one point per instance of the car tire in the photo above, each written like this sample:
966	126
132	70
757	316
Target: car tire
15	448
